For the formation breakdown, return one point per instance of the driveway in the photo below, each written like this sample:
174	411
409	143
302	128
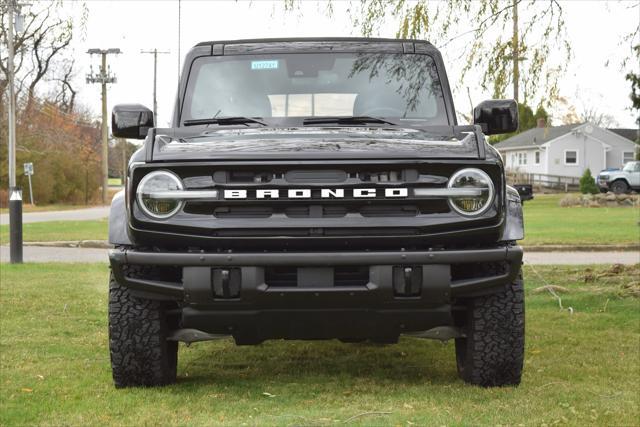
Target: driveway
98	212
49	254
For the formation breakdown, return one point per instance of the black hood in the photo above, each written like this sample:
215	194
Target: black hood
460	142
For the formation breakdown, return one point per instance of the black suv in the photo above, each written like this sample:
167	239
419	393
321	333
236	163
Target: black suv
315	189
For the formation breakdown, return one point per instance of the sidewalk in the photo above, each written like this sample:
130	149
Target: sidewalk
98	212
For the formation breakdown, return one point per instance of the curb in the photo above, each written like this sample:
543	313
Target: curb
581	248
89	244
103	244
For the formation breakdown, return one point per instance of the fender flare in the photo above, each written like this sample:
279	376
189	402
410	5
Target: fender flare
118	221
514	223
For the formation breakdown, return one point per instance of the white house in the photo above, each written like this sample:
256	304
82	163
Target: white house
568	150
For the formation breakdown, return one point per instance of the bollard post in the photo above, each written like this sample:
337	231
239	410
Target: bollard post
15	225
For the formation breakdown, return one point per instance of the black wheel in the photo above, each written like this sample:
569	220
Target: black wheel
619	187
140	352
492	353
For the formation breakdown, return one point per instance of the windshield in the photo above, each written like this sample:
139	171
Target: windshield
386	85
630	167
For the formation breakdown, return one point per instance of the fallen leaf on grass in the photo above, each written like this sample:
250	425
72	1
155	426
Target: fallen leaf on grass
266	394
27	390
407	406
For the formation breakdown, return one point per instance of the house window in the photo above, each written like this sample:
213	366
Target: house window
524	158
537	158
519	158
570	157
627	156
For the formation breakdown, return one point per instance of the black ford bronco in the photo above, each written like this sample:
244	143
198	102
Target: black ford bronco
315	189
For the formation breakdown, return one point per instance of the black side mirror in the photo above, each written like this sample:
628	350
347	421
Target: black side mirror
131	121
496	116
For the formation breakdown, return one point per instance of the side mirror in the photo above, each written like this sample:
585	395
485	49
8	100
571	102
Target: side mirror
131	121
496	116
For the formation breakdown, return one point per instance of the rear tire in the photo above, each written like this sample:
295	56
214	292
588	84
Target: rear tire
619	187
141	356
492	353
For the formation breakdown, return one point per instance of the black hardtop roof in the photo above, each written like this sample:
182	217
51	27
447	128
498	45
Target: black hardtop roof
314	40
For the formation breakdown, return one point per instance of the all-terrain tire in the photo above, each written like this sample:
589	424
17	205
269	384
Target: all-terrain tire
492	353
141	356
619	187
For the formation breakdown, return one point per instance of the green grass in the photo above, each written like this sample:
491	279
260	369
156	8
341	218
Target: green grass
546	223
581	368
60	230
115	181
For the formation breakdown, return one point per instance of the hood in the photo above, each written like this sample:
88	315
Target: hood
314	143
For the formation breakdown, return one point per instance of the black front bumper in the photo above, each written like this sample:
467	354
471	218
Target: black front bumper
317	305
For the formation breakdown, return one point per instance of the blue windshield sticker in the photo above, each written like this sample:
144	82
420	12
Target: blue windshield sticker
264	65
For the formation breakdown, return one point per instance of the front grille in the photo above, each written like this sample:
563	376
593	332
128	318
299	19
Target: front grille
314	215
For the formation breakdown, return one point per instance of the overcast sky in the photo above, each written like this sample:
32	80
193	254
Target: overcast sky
594	28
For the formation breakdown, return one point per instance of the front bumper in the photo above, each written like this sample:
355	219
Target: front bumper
403	291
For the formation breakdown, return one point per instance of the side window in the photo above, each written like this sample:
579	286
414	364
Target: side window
570	157
524	158
537	157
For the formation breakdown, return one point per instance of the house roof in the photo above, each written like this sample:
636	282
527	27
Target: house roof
536	136
630	134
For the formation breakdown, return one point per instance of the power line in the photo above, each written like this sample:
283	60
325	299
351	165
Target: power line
104	76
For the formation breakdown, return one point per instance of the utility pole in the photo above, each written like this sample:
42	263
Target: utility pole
15	192
104	76
155	53
516	49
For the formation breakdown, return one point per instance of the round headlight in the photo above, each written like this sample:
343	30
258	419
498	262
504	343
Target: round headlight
154	194
475	202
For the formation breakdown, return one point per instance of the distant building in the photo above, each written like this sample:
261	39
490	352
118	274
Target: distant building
568	150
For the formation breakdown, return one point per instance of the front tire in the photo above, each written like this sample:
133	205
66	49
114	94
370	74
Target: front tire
619	187
141	356
492	353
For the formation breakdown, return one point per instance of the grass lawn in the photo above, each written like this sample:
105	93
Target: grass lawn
547	223
115	181
581	368
60	230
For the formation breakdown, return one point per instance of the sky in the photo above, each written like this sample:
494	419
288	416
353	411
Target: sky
594	28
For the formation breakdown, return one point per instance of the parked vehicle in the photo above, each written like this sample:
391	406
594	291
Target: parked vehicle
316	189
621	181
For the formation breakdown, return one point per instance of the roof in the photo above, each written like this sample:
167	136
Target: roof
314	39
315	45
535	137
630	134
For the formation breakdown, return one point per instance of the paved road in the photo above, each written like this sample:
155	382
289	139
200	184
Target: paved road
70	215
44	254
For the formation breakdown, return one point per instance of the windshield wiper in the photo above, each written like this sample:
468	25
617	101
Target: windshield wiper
239	120
354	120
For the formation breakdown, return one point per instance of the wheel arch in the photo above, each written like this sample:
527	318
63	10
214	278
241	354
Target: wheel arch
118	220
514	220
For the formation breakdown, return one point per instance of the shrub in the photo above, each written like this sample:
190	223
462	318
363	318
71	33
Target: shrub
588	184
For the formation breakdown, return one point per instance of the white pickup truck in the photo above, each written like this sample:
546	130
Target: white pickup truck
621	181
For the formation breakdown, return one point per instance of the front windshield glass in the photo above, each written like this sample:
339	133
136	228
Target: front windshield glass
630	167
386	85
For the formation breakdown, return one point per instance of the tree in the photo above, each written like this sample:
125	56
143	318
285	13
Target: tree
588	184
526	30
634	78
